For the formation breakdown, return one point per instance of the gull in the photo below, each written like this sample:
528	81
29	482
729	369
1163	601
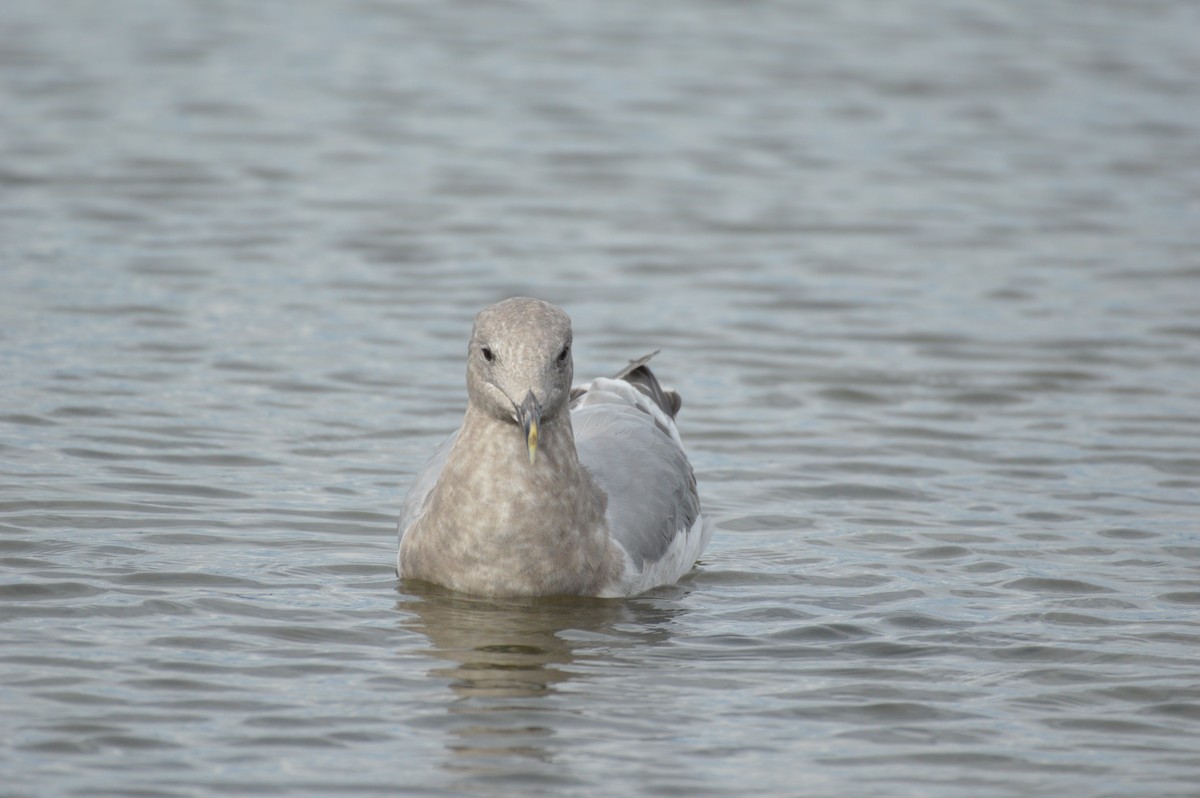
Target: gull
548	490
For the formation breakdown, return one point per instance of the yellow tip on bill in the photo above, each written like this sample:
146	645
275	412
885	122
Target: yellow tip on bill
533	432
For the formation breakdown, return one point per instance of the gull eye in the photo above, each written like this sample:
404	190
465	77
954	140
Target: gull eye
488	354
562	356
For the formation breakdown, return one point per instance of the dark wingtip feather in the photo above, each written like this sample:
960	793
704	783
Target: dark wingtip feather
639	375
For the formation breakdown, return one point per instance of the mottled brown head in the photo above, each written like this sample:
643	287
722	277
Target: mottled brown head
519	364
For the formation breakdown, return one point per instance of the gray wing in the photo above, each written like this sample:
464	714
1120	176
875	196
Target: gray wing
422	484
636	459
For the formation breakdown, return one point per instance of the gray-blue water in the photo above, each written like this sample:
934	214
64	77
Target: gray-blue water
925	274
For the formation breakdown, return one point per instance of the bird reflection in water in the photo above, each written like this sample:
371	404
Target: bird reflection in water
506	661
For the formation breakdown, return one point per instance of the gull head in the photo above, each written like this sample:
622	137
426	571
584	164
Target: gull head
519	365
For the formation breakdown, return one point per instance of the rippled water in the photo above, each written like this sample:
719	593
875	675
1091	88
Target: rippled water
927	280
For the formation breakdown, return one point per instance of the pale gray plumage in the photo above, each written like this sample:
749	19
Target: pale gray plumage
598	499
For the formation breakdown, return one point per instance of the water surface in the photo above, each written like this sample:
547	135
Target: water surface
926	278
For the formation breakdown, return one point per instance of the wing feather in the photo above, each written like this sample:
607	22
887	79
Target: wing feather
422	484
632	450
